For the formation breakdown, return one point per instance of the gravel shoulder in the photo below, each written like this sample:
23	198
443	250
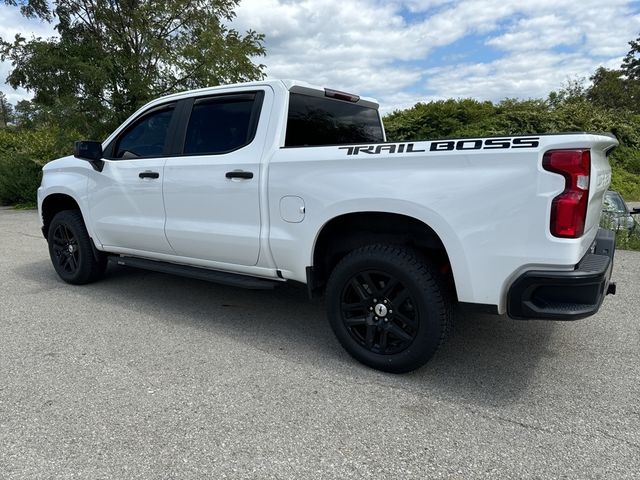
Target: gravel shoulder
145	375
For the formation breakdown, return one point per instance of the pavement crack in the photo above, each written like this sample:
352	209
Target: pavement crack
29	235
551	431
514	422
622	440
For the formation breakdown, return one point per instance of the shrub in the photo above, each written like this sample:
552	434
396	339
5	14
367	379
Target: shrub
626	183
22	155
19	179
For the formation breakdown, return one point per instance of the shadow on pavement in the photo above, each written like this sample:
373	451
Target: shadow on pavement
487	361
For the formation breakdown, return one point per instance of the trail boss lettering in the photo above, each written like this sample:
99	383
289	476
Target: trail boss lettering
446	145
487	144
376	149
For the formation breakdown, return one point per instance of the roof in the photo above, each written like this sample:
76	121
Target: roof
289	84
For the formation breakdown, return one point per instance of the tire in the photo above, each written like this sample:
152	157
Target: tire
388	308
71	249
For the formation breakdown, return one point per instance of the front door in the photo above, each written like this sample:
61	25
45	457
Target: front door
125	199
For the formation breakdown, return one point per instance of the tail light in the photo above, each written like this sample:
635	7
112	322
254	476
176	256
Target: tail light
569	209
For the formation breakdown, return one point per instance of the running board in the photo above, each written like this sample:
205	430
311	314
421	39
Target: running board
215	276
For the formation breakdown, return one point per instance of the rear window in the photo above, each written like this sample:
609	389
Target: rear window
316	121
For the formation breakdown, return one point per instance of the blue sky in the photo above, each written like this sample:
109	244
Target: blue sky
401	52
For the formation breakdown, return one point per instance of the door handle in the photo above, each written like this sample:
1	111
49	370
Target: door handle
149	174
239	174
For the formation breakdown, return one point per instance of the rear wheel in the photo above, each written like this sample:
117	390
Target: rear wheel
71	250
388	308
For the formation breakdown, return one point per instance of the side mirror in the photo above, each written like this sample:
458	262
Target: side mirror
635	211
90	151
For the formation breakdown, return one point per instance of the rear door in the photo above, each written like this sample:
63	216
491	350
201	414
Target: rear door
211	190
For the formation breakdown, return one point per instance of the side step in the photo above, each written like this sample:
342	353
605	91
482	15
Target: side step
215	276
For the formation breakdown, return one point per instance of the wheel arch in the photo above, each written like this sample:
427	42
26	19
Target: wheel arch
348	231
54	203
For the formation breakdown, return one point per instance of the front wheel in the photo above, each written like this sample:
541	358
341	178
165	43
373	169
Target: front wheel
388	308
71	251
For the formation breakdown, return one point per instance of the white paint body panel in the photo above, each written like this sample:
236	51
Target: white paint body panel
490	208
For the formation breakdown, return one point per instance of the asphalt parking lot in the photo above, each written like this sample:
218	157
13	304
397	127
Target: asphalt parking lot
144	375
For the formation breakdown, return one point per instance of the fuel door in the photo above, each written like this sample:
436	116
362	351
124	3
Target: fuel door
292	209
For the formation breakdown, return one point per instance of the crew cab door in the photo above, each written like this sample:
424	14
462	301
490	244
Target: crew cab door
211	191
125	198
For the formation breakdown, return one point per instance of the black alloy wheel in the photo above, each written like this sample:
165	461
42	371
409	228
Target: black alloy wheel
388	307
65	249
379	312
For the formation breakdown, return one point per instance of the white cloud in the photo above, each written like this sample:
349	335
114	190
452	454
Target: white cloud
588	34
539	33
387	49
373	48
523	75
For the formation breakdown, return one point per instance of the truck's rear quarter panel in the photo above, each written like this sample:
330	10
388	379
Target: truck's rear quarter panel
490	207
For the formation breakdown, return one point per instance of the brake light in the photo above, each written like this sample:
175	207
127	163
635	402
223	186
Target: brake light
569	209
348	97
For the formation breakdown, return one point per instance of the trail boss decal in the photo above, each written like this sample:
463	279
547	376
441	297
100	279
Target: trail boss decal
446	145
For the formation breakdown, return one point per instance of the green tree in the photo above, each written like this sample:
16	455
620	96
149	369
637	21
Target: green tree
6	111
112	56
619	89
631	63
610	89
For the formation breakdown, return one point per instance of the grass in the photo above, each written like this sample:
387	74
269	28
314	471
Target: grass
25	206
628	241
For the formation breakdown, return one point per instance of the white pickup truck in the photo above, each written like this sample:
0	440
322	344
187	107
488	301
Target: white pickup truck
261	183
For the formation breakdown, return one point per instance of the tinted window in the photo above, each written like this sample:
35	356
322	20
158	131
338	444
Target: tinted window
323	121
147	136
221	124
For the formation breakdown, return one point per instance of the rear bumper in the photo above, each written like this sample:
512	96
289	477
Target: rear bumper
566	295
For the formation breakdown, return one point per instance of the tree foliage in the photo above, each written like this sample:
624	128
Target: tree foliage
619	89
112	56
631	63
6	111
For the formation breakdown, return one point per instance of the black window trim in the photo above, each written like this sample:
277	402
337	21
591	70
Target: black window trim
109	153
185	115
